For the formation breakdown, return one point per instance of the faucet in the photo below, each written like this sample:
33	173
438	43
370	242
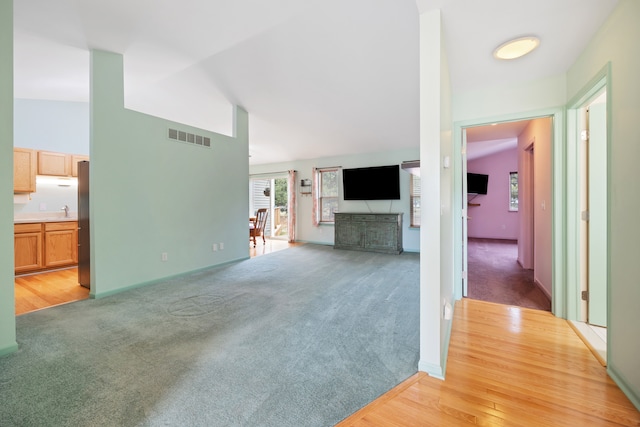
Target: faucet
66	211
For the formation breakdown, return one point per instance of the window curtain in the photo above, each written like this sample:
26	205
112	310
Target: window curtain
292	206
314	195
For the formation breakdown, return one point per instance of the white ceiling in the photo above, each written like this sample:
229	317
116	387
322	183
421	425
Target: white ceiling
486	140
318	77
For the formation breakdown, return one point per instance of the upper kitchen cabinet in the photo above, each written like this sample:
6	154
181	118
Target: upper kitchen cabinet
24	170
56	164
75	158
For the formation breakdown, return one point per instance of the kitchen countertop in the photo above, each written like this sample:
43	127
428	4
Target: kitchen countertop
33	221
27	218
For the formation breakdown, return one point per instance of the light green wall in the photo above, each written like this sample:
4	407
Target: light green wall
448	195
150	194
7	308
307	232
616	42
434	143
509	100
538	133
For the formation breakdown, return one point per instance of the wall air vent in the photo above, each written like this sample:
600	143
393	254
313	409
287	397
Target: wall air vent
189	138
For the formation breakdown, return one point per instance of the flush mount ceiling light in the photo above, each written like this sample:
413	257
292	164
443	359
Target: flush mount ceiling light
516	48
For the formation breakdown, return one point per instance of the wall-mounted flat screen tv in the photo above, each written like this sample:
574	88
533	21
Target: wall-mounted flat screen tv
477	183
372	183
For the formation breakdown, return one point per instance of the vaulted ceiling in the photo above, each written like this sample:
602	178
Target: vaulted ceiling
317	77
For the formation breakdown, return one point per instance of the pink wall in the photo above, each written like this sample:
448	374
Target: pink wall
492	219
535	243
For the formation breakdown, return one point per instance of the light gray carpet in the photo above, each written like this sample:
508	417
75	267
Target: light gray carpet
301	337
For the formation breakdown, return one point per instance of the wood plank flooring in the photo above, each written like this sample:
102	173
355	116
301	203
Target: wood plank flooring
42	290
271	245
507	366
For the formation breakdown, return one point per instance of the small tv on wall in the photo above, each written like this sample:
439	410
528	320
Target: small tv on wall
372	183
477	183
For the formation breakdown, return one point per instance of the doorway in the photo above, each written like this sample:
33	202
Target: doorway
58	136
502	229
591	178
271	192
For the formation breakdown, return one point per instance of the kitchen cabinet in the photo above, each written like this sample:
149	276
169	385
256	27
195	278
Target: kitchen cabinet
54	164
60	243
44	245
75	158
27	246
24	170
369	232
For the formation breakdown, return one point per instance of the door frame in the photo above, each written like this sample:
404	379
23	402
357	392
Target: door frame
271	177
601	81
558	182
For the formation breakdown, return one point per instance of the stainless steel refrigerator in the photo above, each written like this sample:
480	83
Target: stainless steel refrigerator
84	258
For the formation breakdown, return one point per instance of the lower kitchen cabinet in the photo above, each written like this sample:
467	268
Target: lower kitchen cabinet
45	245
27	246
60	243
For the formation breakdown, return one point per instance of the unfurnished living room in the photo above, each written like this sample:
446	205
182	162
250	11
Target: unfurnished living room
446	184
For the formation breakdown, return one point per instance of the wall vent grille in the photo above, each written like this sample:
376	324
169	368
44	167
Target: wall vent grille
189	138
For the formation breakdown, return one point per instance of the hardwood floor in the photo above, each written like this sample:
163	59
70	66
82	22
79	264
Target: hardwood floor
42	290
271	245
507	366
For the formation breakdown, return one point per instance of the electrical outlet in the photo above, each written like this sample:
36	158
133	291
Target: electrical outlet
214	248
165	257
221	246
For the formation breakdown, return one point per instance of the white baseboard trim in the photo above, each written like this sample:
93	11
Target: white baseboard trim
542	288
432	370
594	343
624	386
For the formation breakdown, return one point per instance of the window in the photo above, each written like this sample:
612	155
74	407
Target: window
414	200
327	194
513	191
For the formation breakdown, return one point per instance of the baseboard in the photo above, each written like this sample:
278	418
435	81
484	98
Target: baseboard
542	288
628	391
432	370
9	349
314	242
444	356
162	279
593	342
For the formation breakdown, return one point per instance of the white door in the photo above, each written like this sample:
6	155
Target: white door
597	217
272	193
464	218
